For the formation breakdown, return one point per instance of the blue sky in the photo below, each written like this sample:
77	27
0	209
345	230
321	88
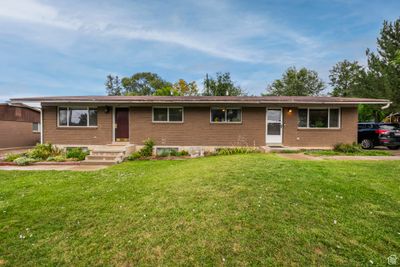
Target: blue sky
68	47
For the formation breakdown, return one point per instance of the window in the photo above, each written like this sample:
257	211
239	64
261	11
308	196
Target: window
319	118
226	115
167	114
35	127
77	117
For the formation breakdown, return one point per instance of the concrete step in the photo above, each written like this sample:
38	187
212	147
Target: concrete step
109	150
98	162
103	157
116	144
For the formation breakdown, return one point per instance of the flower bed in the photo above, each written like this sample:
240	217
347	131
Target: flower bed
46	154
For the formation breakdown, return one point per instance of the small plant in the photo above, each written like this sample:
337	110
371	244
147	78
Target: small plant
76	153
23	161
43	151
183	153
145	152
11	157
236	150
347	148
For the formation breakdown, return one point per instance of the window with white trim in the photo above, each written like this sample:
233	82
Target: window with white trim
318	118
36	127
77	117
167	114
225	115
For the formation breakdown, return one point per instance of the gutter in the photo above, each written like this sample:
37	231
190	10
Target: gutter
219	102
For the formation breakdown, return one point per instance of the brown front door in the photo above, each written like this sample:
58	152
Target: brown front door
121	124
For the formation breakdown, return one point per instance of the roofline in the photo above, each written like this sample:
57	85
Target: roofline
221	102
19	105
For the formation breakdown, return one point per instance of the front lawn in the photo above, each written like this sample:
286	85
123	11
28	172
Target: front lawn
254	209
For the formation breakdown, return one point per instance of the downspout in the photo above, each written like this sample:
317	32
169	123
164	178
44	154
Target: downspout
41	124
387	105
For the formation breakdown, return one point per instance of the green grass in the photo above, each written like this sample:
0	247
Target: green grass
253	209
336	153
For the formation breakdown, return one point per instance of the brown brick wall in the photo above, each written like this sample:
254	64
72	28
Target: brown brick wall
197	129
11	113
73	135
320	137
17	134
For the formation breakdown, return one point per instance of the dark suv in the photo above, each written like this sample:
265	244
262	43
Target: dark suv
372	134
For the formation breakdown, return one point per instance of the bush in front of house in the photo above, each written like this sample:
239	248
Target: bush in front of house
236	150
43	152
23	161
173	153
76	153
145	152
47	152
11	157
347	148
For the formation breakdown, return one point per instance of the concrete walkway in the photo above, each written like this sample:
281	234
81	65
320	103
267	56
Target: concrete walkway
53	168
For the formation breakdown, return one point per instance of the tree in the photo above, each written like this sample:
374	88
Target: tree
143	83
186	89
180	88
345	78
166	91
297	83
222	85
383	71
113	85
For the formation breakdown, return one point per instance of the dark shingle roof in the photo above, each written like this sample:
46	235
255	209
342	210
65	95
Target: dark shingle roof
202	99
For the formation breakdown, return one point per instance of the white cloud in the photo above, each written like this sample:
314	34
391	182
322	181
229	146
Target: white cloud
223	36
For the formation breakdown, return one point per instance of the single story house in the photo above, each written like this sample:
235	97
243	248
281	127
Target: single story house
204	122
19	126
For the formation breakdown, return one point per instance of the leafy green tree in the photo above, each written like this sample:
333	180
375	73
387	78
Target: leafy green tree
221	85
295	82
143	83
345	78
113	85
166	91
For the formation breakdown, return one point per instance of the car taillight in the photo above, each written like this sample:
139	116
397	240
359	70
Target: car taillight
381	131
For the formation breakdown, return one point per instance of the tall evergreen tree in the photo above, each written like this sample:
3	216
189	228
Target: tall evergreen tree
113	85
345	78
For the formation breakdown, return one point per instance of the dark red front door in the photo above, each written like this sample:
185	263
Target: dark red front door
121	124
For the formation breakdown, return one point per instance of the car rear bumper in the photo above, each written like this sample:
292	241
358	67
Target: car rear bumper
389	141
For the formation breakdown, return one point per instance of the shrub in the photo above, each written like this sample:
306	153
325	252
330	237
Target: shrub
59	158
43	151
23	161
11	157
183	153
347	148
76	153
236	150
146	151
